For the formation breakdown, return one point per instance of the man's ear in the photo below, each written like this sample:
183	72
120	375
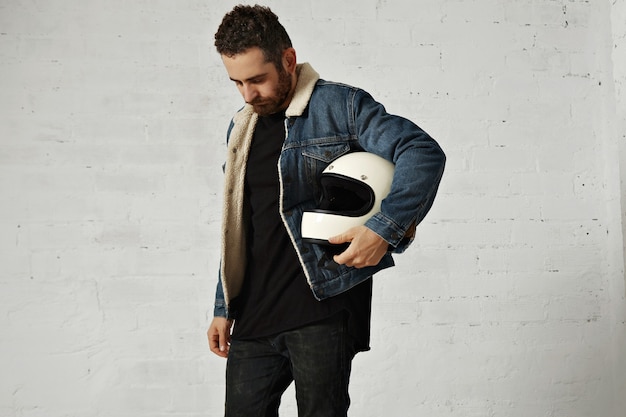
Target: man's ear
289	60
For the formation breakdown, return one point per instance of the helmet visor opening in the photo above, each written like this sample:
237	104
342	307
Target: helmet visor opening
346	196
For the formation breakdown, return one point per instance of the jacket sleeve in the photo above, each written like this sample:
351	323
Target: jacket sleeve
419	165
219	307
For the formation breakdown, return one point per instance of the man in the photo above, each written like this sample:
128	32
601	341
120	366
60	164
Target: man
285	309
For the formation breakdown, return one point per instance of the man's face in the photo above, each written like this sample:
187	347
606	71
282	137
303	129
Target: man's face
259	82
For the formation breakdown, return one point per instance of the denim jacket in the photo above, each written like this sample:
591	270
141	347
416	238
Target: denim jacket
324	121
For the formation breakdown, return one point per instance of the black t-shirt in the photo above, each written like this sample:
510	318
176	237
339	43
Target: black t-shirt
276	296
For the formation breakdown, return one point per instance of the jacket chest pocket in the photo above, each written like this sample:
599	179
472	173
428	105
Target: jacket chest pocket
317	157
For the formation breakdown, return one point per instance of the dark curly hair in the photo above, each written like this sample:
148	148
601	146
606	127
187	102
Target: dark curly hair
252	26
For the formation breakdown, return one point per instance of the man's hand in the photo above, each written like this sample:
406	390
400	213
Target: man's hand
366	247
219	336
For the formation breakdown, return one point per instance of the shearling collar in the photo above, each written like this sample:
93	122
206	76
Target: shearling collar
307	77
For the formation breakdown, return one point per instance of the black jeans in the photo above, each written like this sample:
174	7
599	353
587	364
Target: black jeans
317	357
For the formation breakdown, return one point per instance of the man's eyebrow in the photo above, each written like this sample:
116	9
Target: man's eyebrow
251	78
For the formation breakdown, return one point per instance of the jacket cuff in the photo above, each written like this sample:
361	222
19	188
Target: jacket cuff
390	231
219	309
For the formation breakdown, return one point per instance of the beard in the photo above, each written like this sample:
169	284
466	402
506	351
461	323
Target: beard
264	106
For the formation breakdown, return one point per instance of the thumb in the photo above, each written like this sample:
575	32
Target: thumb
224	340
336	239
342	238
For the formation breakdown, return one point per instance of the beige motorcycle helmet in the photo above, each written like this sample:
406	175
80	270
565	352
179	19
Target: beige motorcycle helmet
353	187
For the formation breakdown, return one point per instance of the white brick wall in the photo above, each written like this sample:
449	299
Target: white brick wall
112	122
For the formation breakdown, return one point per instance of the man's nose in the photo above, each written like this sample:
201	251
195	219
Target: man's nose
249	93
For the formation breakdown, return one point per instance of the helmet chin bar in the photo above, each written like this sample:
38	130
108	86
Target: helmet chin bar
318	227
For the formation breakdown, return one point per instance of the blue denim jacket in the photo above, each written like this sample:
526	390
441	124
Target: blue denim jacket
324	121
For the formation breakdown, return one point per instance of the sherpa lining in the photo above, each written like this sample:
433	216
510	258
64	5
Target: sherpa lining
233	265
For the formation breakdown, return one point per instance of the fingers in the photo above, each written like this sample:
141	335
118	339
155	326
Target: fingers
219	336
366	248
224	343
345	257
355	259
217	347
